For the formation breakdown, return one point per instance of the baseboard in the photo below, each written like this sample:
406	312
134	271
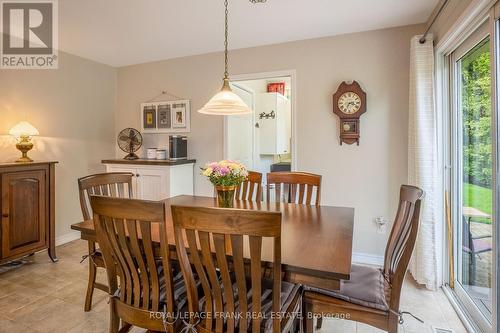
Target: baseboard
66	238
367	259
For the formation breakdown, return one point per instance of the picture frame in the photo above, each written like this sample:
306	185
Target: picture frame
166	116
148	116
179	115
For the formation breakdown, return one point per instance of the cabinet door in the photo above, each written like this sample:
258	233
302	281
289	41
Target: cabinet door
24	212
266	103
152	184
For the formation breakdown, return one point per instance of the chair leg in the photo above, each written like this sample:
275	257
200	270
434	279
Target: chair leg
474	268
125	328
308	322
92	277
319	323
114	320
393	323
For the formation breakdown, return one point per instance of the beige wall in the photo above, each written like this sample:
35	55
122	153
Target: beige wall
365	177
73	108
449	15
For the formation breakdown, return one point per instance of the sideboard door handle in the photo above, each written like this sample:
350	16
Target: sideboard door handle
5	215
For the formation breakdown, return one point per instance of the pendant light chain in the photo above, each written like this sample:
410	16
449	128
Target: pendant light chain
226	31
226	102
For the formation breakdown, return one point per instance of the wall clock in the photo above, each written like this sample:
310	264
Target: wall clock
349	103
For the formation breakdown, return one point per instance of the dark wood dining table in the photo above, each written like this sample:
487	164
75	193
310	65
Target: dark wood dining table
316	241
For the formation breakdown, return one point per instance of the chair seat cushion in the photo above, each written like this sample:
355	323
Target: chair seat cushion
290	293
179	286
367	287
290	303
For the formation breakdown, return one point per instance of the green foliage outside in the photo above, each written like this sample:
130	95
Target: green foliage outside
476	120
478	197
476	117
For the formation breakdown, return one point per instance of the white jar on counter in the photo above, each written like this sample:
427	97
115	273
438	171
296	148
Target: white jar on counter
161	154
151	153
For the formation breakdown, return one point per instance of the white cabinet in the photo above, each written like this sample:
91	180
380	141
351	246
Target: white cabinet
157	182
274	124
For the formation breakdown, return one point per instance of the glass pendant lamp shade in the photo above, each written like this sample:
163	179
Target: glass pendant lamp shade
225	103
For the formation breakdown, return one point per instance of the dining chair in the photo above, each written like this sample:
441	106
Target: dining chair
294	187
150	291
251	188
372	295
473	246
232	300
106	184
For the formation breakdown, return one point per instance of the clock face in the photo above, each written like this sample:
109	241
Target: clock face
349	102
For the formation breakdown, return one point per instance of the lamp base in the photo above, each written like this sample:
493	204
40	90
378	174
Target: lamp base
24	146
24	159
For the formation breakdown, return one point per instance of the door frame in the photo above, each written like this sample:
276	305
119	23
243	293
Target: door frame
473	16
292	73
478	36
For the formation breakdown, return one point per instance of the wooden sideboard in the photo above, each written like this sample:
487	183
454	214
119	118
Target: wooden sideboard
28	209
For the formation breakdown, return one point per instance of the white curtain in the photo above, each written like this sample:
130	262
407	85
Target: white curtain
423	169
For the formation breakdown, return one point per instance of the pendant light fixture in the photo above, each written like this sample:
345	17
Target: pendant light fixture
225	102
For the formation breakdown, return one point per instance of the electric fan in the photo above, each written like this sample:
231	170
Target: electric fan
130	140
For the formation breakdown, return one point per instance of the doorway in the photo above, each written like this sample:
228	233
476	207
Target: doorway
264	139
472	182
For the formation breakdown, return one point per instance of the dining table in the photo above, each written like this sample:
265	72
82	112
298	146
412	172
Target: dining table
316	240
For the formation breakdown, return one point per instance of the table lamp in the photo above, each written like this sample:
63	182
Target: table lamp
24	132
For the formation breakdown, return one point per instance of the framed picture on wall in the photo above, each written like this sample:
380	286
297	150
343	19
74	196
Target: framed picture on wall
148	113
179	111
166	117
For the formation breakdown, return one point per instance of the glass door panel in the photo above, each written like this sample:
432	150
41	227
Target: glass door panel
473	176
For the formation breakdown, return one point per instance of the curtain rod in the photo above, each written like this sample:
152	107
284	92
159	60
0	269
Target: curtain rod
423	38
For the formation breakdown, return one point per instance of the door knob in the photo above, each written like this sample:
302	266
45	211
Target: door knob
137	175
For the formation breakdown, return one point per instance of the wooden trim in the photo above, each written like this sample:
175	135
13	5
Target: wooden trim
29	164
52	213
149	162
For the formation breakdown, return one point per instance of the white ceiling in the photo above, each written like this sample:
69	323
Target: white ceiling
124	32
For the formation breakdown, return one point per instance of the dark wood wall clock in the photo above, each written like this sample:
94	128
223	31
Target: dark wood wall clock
349	103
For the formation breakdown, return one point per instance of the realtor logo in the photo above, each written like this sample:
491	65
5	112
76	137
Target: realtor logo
29	34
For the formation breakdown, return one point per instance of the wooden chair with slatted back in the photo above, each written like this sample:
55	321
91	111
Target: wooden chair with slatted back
118	184
295	187
372	295
251	188
227	289
127	231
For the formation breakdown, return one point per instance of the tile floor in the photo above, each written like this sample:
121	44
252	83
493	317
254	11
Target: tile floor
40	296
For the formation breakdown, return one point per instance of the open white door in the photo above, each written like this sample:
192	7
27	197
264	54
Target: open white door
239	138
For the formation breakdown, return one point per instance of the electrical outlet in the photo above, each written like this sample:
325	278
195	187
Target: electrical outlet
381	224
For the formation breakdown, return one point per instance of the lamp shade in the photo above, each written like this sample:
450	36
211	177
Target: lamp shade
23	129
225	103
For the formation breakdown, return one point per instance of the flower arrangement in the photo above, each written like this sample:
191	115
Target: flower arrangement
226	176
225	173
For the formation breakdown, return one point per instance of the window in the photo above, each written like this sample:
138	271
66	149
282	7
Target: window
472	176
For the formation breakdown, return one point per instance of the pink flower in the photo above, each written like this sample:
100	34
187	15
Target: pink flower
224	171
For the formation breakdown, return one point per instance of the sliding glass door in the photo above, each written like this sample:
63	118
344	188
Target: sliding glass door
472	180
